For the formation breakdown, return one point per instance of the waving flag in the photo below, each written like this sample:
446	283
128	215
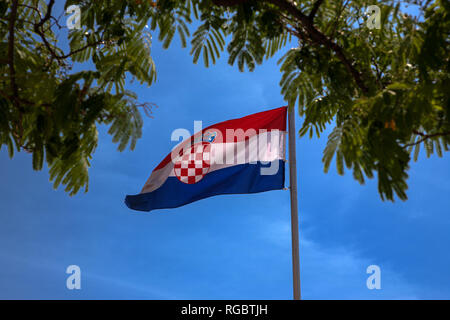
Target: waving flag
244	155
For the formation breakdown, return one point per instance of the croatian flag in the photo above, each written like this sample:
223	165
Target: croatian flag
244	155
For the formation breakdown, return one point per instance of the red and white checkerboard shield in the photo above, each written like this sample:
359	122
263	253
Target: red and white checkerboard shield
192	166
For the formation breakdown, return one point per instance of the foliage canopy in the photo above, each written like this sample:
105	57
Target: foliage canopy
385	91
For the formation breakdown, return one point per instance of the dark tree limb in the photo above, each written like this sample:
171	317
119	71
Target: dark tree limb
426	137
314	9
319	38
14	98
342	7
12	70
38	28
48	14
55	20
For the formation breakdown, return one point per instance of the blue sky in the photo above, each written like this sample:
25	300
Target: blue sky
224	247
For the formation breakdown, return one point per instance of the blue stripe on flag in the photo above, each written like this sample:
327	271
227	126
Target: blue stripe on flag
244	178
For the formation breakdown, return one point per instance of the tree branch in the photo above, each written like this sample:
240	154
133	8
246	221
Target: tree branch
38	28
47	14
55	21
336	21
425	137
314	9
286	23
12	70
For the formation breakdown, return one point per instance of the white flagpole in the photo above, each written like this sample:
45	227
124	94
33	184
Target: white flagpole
294	204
